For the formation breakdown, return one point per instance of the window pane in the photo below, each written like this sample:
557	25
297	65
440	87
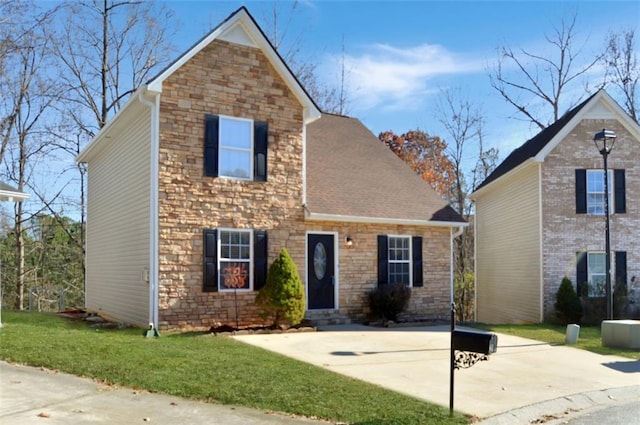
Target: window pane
595	191
235	133
596	262
399	273
235	163
597	285
234	275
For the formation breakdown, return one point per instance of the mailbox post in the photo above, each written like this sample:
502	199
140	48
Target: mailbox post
467	348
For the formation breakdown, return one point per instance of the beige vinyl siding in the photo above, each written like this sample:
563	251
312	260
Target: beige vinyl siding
508	249
118	222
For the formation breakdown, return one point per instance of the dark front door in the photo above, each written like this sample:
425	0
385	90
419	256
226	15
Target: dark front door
320	272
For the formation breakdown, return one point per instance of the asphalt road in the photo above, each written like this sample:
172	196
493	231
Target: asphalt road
624	414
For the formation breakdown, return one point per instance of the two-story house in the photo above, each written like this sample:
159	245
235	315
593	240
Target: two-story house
223	159
540	216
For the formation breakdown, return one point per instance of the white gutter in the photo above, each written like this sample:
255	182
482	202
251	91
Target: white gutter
475	266
451	273
153	206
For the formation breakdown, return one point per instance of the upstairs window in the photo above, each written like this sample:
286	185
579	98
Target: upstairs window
595	191
235	148
590	196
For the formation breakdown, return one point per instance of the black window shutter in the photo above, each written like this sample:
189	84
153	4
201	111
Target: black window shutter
211	123
621	272
210	283
260	259
383	260
260	137
619	195
581	191
581	273
416	253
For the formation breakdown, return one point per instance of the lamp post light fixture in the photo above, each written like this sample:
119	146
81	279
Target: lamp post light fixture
604	141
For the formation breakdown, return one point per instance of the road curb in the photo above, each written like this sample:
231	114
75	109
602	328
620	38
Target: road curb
559	410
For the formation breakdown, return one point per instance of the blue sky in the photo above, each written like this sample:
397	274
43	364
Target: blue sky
401	55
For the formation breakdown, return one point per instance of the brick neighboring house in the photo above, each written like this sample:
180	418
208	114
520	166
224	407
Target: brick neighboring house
220	161
540	216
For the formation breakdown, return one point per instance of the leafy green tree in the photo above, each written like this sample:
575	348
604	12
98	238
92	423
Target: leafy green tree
282	297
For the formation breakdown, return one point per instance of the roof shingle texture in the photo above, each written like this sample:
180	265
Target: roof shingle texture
351	173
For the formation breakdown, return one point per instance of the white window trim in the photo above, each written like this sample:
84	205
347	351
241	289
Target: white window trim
410	261
610	184
251	248
221	147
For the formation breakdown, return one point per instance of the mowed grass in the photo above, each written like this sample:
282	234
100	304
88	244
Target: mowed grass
208	368
589	338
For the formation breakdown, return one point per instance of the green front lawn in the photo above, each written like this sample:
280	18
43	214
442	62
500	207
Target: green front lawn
589	338
204	367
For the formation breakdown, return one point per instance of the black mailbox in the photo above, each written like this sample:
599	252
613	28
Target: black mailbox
474	341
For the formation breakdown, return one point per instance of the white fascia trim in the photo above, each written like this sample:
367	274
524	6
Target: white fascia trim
6	195
380	220
82	156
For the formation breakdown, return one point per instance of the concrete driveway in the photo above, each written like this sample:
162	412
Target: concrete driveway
415	361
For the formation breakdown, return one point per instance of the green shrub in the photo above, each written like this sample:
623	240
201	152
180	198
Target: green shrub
568	306
387	301
282	297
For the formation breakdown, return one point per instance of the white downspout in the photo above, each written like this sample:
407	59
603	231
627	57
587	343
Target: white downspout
153	207
451	272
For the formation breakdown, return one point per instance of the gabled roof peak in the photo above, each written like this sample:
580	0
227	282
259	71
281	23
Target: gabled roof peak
542	143
241	28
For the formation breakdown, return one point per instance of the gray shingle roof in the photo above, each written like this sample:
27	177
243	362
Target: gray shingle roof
351	173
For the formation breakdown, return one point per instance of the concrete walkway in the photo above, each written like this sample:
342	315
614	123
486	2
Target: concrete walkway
33	396
524	377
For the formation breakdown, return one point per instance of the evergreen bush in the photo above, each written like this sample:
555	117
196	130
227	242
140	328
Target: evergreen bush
388	301
568	306
282	297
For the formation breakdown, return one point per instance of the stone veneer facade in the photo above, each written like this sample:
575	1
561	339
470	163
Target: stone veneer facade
564	232
239	81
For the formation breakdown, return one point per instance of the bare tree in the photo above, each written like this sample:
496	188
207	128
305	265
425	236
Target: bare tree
29	94
278	25
622	71
542	79
108	49
463	122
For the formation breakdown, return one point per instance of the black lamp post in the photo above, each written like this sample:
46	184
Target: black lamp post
604	141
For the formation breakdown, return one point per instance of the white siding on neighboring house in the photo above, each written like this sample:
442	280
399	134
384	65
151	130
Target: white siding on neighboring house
508	248
118	222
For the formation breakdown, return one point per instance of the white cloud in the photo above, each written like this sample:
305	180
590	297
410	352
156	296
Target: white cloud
389	77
